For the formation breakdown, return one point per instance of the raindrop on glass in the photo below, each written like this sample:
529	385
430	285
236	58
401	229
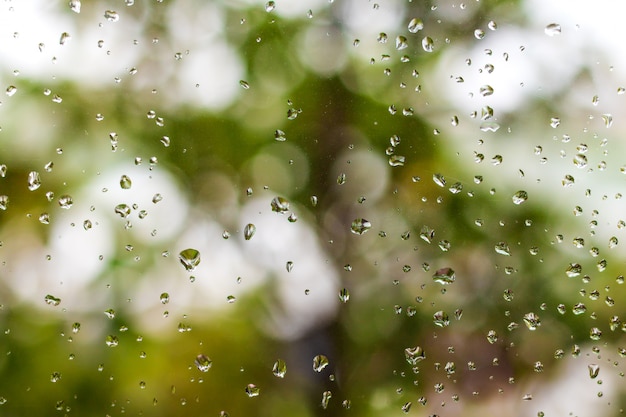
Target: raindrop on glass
190	258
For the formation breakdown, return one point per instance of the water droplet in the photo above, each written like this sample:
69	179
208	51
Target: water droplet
11	90
503	249
270	6
293	113
344	295
326	396
580	161
341	179
382	37
441	319
279	369
531	320
34	180
4	202
65	38
279	205
553	29
111	341
52	300
396	160
203	363
279	135
415	25
573	270
3	170
125	182
165	140
251	389
110	313
360	226
594	370
595	333
479	34
75	6
111	16
608	120
66	201
444	276
249	231
486	90
319	363
190	258
492	25
414	355
520	197
406	407
492	336
427	234
165	298
401	43
428	44
439	180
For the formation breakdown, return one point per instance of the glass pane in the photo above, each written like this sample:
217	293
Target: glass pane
311	208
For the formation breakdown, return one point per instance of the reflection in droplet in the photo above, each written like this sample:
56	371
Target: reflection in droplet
279	205
401	42
441	319
190	258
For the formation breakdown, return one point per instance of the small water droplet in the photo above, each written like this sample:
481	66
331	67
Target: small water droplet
444	276
553	29
34	180
249	231
125	182
520	197
415	25
486	90
531	320
75	6
11	90
279	369
65	38
44	218
396	160
190	258
164	298
341	179
594	370
52	300
344	295
401	43
279	135
251	389
203	363
4	202
428	44
414	355
270	6
320	362
279	205
573	270
439	180
441	319
244	84
360	226
492	336
66	201
111	16
479	34
503	249
111	341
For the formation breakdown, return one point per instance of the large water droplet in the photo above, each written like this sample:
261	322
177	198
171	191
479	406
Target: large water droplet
280	368
319	363
249	231
203	363
66	201
441	319
34	180
444	276
439	180
165	298
190	258
251	389
360	226
11	90
594	370
270	6
531	320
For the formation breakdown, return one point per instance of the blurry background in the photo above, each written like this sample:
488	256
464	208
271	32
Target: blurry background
311	208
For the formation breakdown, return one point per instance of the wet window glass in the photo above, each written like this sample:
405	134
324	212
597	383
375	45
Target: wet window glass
312	207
